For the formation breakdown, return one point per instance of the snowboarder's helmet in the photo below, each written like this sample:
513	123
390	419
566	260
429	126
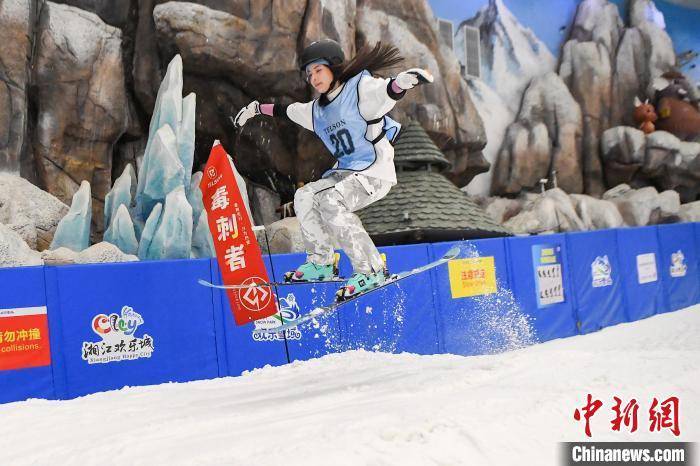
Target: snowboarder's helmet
326	49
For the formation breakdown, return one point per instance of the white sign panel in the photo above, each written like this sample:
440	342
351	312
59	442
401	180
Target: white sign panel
646	268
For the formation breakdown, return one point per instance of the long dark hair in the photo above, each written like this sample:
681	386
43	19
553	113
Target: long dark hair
372	59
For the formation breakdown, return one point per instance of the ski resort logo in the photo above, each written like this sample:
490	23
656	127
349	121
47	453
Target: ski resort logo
601	272
289	311
678	266
255	298
119	340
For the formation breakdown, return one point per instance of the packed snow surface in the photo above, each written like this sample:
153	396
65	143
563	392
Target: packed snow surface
362	408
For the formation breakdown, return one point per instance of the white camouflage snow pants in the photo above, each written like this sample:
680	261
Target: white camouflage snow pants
325	209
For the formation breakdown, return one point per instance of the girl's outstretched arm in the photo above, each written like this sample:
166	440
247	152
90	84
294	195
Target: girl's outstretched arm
299	113
379	95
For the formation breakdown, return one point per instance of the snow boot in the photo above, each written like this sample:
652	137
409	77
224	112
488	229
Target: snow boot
360	283
310	272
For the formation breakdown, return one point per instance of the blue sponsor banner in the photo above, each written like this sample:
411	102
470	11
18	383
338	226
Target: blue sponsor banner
597	280
400	317
679	265
313	339
639	262
477	313
132	324
242	351
22	298
539	276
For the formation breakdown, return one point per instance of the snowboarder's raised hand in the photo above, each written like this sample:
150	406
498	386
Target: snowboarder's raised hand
411	78
246	113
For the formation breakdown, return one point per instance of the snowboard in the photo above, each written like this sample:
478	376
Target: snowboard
329	309
238	287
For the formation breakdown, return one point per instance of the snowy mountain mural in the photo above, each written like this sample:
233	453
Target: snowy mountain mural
511	54
496	115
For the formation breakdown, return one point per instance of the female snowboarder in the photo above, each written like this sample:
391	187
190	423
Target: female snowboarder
350	117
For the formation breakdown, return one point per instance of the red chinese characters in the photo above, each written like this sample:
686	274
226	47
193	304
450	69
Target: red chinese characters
588	411
666	417
663	415
626	416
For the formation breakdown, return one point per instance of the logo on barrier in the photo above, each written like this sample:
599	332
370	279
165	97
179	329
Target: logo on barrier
255	298
646	268
472	277
678	266
601	272
549	281
289	310
119	340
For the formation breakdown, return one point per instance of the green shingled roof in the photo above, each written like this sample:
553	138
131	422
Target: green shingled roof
415	146
426	206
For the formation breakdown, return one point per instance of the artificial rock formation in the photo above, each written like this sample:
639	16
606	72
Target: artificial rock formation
546	136
81	102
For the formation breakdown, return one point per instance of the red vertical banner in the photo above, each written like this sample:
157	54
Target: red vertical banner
237	250
24	338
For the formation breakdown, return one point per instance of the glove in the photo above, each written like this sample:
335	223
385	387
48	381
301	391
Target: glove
413	77
246	113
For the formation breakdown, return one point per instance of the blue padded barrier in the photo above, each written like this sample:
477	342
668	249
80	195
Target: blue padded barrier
679	265
471	323
597	279
175	317
639	262
398	318
539	276
315	339
23	287
244	353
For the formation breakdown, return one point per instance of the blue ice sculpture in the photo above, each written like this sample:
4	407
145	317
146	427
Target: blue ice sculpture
121	231
172	234
149	230
194	197
202	242
73	231
158	175
120	194
166	171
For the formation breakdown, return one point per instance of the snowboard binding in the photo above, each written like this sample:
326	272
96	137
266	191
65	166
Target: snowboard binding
310	272
360	283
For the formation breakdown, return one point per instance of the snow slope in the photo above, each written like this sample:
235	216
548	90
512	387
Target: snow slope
361	408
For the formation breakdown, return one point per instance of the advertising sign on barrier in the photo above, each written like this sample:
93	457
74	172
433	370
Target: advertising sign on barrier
546	260
646	268
472	277
601	272
118	338
237	250
539	274
678	263
131	324
24	338
595	271
678	266
638	255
